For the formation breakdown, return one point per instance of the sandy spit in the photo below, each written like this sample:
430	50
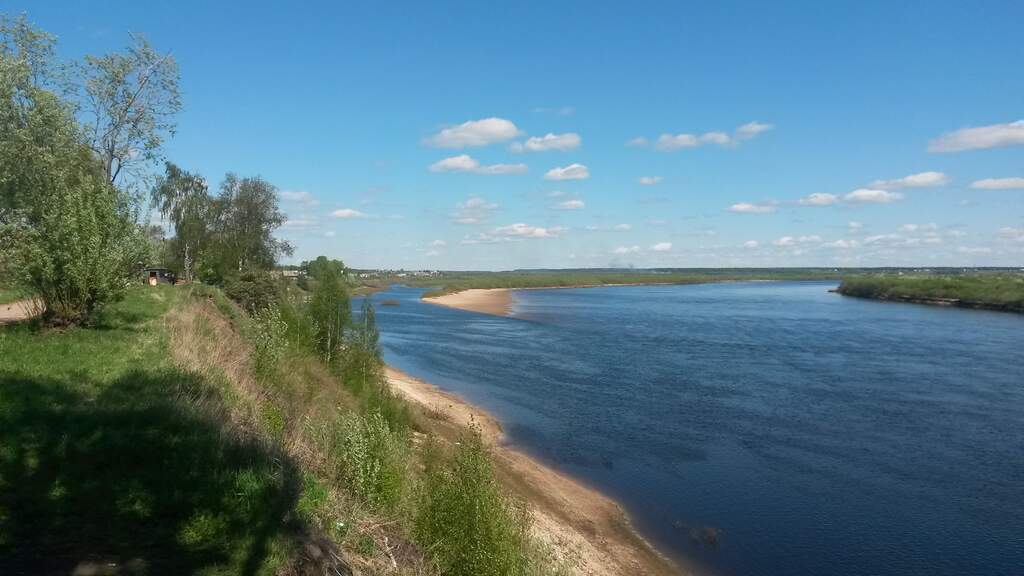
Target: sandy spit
496	301
586	529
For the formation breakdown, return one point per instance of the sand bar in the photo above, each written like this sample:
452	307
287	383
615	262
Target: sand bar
496	301
586	528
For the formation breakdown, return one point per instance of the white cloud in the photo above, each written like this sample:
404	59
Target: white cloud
872	196
299	197
473	211
650	180
520	230
298	223
931	227
567	141
855	227
430	253
919	180
638	142
973	250
752	129
626	250
439	243
667	142
784	241
622	227
813	238
748	208
570	172
842	244
662	247
570	205
882	238
474	133
992	136
819	199
751	244
1015	183
330	234
1014	234
347	213
466	163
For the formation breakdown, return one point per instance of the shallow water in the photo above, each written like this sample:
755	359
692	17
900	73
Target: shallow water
818	434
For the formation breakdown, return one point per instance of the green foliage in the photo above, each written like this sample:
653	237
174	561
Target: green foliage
373	459
269	340
465	521
322	267
329	311
184	200
106	449
252	289
68	236
1001	291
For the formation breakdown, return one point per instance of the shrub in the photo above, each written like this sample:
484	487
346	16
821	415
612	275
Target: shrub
329	311
464	520
254	290
372	459
268	340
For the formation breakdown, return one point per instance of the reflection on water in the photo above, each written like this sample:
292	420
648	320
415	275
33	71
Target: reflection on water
762	428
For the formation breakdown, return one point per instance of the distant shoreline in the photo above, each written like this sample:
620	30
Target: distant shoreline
584	526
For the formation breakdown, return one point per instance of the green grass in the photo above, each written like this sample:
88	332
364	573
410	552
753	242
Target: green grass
109	453
1005	291
8	295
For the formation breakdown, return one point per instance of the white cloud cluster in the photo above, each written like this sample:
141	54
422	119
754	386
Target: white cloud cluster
662	247
668	142
1014	183
473	211
920	180
872	196
299	197
793	240
573	204
562	142
512	232
622	227
570	172
748	208
474	133
650	180
981	137
1013	234
466	163
819	199
621	250
347	213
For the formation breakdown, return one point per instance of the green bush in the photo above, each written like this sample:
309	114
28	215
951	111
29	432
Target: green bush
268	340
252	289
465	521
372	458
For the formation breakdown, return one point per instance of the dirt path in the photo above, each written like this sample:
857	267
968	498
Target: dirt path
18	311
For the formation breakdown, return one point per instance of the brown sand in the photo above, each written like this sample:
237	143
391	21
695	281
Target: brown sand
585	528
20	310
496	301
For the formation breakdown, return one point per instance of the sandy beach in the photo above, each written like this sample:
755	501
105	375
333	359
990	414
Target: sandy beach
496	301
585	528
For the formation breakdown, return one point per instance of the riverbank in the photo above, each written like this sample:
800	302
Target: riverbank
495	301
585	528
983	292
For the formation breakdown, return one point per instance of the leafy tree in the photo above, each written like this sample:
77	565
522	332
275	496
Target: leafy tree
245	216
184	200
322	266
130	100
67	235
329	309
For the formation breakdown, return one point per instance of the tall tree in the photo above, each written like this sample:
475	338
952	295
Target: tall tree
246	216
130	100
65	231
184	199
329	309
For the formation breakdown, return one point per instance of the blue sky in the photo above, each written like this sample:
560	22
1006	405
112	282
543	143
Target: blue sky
773	134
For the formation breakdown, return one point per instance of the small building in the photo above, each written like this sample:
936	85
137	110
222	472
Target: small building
154	276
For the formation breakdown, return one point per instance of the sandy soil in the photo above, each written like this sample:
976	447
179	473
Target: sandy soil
496	301
18	311
586	529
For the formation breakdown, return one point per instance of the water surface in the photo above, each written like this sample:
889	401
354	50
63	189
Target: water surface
819	434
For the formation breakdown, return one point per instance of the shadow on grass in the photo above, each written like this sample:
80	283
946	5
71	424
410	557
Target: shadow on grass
134	476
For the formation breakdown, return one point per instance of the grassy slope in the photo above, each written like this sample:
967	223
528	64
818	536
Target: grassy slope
149	441
110	453
1003	291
